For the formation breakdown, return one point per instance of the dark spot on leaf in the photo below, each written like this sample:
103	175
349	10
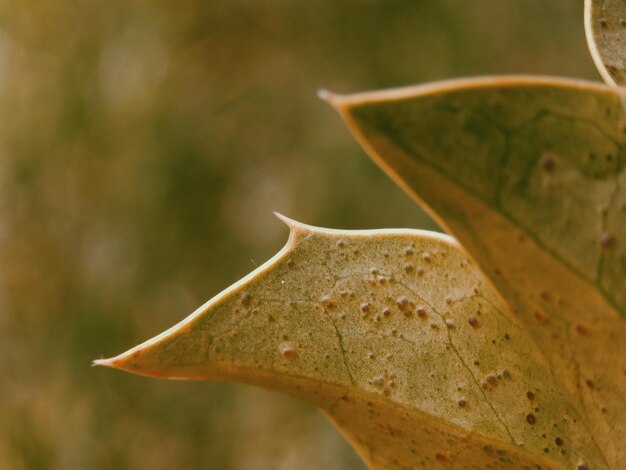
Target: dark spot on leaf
582	329
288	352
548	162
531	419
558	441
473	321
328	303
607	240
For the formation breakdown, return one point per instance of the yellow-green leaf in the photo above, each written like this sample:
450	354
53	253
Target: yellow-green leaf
398	338
528	174
605	25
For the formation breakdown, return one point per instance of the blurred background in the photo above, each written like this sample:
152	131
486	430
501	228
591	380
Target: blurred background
143	148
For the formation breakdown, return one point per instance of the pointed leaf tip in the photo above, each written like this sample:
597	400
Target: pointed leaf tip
103	362
286	220
324	94
293	225
331	98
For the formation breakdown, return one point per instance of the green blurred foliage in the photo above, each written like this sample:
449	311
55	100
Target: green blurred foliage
144	146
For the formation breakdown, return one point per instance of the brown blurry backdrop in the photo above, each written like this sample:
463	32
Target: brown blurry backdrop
143	148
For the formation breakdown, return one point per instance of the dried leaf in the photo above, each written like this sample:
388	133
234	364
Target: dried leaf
528	174
396	336
605	25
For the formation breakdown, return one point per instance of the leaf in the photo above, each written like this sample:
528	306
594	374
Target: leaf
605	26
528	174
397	337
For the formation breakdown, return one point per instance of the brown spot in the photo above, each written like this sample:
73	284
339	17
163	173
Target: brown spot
497	272
441	457
558	441
582	329
530	395
365	308
328	303
491	379
545	296
582	466
531	419
548	162
539	316
405	305
245	298
607	240
288	352
290	263
386	312
473	321
402	302
589	383
408	268
426	257
421	312
461	402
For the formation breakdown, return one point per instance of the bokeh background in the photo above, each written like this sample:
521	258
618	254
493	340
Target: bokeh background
143	148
